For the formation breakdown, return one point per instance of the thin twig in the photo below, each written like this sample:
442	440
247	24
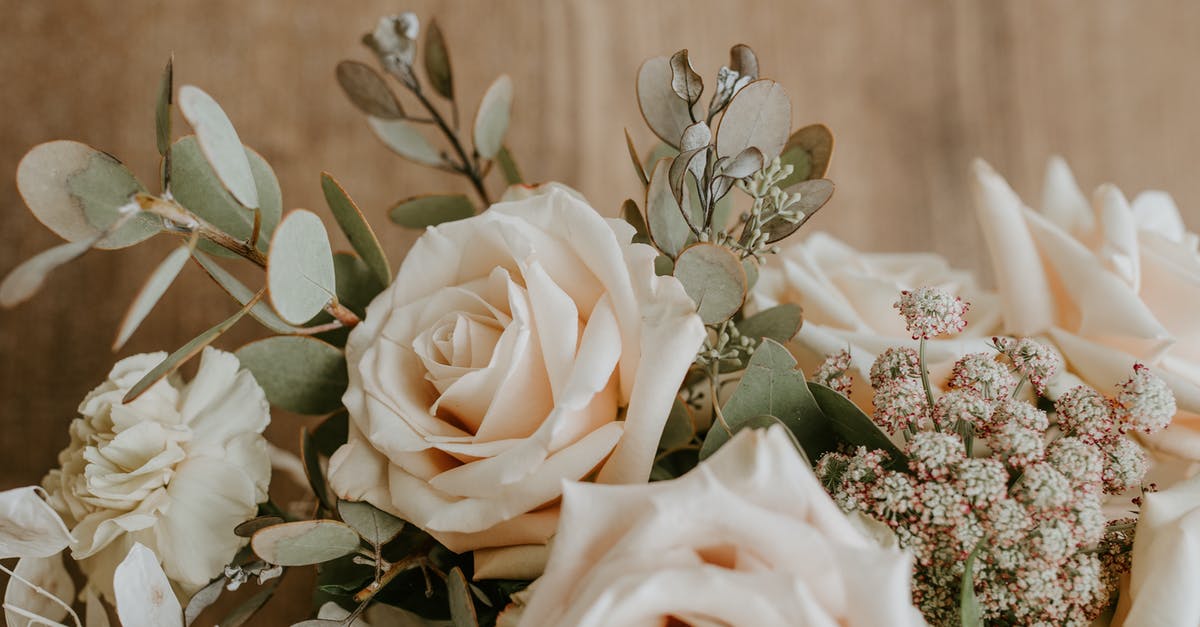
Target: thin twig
467	169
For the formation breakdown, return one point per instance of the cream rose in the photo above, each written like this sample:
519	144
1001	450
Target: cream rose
1166	561
847	299
747	538
175	470
1108	282
517	349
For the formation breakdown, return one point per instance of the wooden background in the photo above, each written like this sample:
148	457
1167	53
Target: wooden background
912	91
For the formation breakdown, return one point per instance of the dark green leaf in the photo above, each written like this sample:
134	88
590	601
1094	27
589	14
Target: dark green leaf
437	62
250	527
298	373
312	470
78	192
780	323
357	286
331	433
162	111
462	608
508	166
813	195
714	278
368	91
968	605
355	226
374	525
808	151
419	212
220	144
854	426
631	214
773	386
186	352
679	429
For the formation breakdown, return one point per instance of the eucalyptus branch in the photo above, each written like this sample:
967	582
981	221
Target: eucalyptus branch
467	168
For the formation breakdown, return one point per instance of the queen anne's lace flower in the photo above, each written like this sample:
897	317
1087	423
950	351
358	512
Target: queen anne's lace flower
1085	413
1031	359
982	374
1145	403
933	455
1124	466
899	404
833	372
929	312
1079	461
1042	486
1019	412
1017	445
894	363
176	470
962	404
982	480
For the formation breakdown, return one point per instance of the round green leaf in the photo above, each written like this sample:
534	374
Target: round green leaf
714	278
374	525
813	195
78	192
298	373
300	276
664	111
808	151
220	144
668	227
195	185
491	120
304	542
780	323
759	116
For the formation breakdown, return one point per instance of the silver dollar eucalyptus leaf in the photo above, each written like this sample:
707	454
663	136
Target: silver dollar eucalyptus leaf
743	61
405	140
669	228
300	275
368	91
491	120
760	115
665	113
684	80
220	144
744	164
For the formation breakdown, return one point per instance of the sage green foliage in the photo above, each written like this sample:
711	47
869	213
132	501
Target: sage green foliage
428	210
304	542
356	228
714	278
372	524
780	323
220	144
298	373
462	607
195	186
300	274
854	426
772	386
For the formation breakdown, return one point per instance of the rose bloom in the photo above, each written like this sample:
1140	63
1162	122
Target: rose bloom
1108	282
1166	561
749	537
176	470
847	299
526	346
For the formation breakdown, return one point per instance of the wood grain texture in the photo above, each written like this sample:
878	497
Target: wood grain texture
912	91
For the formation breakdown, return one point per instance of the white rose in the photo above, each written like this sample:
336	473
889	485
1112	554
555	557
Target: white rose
175	470
1108	282
516	349
1166	560
847	299
747	538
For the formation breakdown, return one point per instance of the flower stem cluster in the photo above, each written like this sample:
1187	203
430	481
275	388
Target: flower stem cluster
1027	505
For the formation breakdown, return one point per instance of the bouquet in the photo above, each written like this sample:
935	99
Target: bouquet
682	416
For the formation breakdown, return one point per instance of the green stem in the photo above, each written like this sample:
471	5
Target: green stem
468	168
925	380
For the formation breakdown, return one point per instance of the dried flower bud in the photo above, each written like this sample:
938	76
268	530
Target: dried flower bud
394	41
929	312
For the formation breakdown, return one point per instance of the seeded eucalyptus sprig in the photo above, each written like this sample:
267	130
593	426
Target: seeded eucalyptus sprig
394	42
